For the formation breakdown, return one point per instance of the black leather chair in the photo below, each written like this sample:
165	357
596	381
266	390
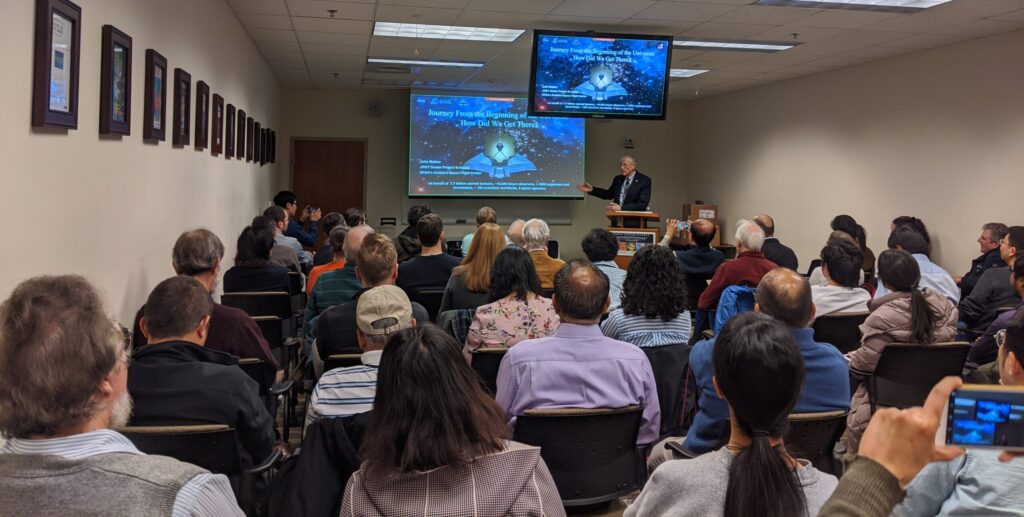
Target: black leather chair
485	362
669	364
812	436
906	373
842	332
430	299
591	453
259	371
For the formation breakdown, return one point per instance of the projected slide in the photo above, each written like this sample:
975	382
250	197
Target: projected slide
609	75
489	147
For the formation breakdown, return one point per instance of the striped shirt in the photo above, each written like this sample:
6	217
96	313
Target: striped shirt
646	333
345	391
204	495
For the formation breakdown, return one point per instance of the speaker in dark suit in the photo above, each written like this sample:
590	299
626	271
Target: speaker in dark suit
630	190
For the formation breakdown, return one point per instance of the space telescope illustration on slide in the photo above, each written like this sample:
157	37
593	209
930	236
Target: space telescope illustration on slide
499	158
601	85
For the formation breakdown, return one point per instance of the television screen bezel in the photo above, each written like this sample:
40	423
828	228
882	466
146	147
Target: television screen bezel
452	93
532	94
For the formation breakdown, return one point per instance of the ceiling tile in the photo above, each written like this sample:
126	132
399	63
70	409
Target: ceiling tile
420	43
337	25
690	11
869	37
766	15
332	38
278	46
517	6
1011	16
446	4
923	41
581	23
498	20
287	63
340	68
839	61
274	7
606	8
265	21
352	10
784	33
272	35
398	53
334	59
480	55
728	56
877	52
328	49
283	55
979	28
846	18
411	14
725	30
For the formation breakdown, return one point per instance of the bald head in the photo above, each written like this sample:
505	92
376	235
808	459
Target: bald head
515	233
354	241
581	293
785	295
766	223
703	232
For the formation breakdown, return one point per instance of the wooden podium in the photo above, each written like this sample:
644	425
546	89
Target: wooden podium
632	239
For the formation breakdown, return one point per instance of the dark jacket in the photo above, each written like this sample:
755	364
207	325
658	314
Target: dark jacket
992	291
779	253
638	196
336	328
698	265
408	244
231	331
265	278
296	230
324	256
985	349
181	383
978	268
426	272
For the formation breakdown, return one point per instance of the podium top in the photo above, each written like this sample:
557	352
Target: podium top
643	215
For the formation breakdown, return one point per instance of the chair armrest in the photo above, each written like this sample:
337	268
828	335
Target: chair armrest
272	459
281	387
678	450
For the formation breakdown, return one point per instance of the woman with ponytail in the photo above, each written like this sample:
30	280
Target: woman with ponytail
907	314
759	371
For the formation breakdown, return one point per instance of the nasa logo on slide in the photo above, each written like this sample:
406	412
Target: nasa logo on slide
499	157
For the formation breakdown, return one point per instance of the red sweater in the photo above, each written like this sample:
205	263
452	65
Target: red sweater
748	269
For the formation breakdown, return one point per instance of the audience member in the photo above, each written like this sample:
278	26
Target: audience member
514	237
908	239
408	242
579	367
993	290
988	242
339	286
699	261
907	314
848	225
869	256
748	268
380	312
175	380
914	224
470	284
841	262
517	310
653	311
601	247
536	233
984	350
253	271
281	255
817	277
432	268
335	329
784	295
328	223
280	218
336	240
354	216
198	254
976	483
759	373
484	215
412	467
290	203
63	392
774	250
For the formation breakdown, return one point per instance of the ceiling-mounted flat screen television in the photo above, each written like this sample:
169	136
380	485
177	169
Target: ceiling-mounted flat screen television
602	75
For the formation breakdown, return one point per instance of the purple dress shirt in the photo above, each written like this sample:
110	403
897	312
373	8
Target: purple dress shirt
578	367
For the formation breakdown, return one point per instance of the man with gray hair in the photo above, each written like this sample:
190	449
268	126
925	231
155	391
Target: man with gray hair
64	455
514	236
630	191
988	242
748	268
536	234
198	254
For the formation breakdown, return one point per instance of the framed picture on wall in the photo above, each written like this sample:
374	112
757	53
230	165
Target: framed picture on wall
263	146
116	82
240	136
154	117
248	138
273	146
229	131
256	143
57	56
202	114
182	99
217	138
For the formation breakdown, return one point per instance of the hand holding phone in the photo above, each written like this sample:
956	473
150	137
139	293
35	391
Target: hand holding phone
984	416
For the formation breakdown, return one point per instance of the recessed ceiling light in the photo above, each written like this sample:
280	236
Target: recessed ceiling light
423	62
418	30
742	46
904	6
685	72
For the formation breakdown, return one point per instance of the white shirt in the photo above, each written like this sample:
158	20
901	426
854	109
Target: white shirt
834	300
932	277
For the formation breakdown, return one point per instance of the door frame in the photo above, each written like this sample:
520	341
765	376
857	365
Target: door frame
291	158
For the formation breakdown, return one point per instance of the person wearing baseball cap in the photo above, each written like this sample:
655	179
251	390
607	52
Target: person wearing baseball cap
380	312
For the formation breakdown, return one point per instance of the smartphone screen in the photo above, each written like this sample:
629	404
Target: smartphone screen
985	416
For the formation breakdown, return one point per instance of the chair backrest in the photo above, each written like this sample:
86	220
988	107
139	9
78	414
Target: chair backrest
842	332
552	248
669	364
294	282
735	299
547	293
591	453
906	373
212	447
812	436
259	371
430	299
454	248
341	361
485	362
260	303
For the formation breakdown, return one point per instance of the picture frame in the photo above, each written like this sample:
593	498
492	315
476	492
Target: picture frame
248	138
154	118
182	114
273	146
264	146
257	136
202	115
240	136
116	82
58	36
229	131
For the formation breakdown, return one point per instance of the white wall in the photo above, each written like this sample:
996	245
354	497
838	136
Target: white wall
111	208
938	134
345	114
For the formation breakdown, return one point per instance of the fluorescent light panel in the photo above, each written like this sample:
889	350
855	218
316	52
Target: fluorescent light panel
419	30
685	72
421	62
742	46
864	5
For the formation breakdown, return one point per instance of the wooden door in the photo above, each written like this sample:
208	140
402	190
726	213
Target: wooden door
329	174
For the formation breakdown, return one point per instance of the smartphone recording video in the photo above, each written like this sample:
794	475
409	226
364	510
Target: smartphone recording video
984	416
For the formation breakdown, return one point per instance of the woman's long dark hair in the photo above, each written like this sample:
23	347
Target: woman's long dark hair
899	270
254	243
513	272
654	285
430	409
760	371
